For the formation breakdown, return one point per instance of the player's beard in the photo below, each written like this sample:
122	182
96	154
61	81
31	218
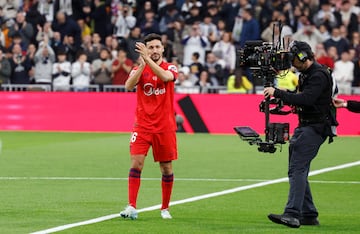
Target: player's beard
155	57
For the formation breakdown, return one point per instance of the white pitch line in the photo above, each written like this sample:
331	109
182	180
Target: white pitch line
177	179
115	178
196	198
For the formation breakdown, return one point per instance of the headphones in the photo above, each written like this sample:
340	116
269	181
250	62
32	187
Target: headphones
300	50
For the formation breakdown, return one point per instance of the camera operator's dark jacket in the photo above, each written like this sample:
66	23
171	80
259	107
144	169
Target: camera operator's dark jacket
353	106
313	99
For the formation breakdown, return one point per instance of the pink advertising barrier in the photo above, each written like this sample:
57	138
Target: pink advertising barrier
114	112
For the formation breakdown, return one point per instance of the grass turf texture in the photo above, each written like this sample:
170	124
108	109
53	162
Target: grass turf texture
30	202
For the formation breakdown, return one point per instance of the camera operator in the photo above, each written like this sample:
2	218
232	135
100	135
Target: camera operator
312	101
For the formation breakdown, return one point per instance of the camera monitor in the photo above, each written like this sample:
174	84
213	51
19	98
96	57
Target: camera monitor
246	133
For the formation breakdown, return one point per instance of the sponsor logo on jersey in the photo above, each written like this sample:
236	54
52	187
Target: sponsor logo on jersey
172	68
150	90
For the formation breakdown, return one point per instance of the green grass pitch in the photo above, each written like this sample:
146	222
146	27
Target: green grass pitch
50	179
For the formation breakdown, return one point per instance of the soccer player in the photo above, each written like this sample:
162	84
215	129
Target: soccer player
155	124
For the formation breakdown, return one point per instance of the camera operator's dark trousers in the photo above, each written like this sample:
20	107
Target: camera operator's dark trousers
304	146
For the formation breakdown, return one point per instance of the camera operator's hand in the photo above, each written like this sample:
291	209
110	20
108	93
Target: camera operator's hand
269	91
339	103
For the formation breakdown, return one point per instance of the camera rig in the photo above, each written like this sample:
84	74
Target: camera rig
265	60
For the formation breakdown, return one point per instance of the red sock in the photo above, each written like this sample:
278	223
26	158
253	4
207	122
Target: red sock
133	185
166	185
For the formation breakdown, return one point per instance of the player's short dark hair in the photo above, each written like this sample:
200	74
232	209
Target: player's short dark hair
151	37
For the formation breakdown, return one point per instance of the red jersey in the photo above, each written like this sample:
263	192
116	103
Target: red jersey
155	101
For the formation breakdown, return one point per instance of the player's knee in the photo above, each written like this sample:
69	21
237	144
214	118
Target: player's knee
166	168
137	162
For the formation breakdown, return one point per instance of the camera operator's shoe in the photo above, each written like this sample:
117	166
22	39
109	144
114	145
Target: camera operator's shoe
309	221
129	212
285	220
165	214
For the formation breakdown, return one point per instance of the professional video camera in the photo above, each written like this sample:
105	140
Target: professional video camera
265	60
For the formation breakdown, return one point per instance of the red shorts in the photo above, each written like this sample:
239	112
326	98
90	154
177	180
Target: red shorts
163	145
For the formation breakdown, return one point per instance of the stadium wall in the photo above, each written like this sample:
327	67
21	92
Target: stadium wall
114	112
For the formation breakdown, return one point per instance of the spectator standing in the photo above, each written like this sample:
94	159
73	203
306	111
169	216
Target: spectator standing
324	32
91	51
93	47
135	36
204	82
46	8
215	68
229	11
30	53
346	17
238	82
7	40
166	23
272	33
195	67
194	16
5	69
309	34
226	49
56	42
72	8
209	30
101	20
149	24
355	43
189	5
20	66
322	57
61	72
70	47
194	41
356	81
44	60
337	41
143	6
287	80
10	8
17	39
176	38
101	69
344	73
23	28
33	17
162	7
332	53
123	23
169	53
250	29
183	84
325	16
213	11
84	28
44	31
67	26
81	73
121	68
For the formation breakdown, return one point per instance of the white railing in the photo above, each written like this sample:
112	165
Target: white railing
121	89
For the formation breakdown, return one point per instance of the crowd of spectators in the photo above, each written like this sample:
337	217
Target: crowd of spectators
75	43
